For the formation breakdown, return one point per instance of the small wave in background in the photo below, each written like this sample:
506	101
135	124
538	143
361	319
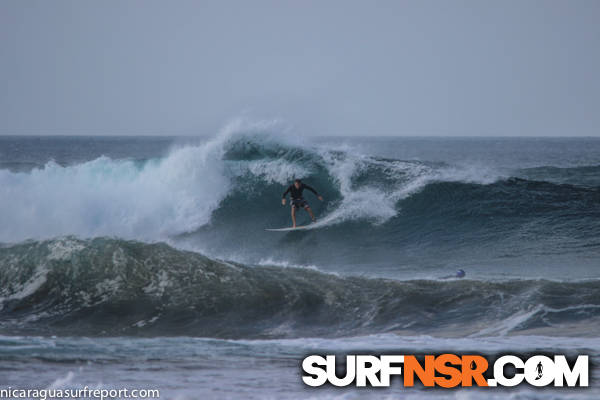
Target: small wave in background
117	287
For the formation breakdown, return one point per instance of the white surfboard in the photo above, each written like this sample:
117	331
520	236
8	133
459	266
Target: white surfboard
322	222
300	227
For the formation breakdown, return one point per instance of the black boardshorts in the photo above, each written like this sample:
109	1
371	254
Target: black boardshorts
299	203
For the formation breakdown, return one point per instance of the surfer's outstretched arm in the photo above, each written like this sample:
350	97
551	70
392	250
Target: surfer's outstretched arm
311	189
314	191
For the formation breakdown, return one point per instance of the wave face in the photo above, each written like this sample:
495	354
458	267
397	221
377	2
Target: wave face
113	287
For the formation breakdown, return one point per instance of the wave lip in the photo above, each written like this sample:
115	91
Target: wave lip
588	175
105	286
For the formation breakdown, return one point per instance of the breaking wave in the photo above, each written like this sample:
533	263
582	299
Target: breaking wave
225	189
109	286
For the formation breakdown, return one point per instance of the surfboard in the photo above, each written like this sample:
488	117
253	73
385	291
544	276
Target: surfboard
300	227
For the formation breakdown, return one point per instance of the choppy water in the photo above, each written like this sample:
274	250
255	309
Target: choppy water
143	261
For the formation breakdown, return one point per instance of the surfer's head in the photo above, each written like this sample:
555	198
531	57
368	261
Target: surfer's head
297	183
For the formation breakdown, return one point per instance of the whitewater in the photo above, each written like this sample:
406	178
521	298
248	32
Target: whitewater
147	258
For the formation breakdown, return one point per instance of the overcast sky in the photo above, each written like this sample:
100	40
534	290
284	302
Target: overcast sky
324	67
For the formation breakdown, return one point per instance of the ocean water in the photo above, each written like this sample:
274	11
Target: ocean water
142	262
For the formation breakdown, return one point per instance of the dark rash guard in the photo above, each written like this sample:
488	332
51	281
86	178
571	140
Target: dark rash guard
296	193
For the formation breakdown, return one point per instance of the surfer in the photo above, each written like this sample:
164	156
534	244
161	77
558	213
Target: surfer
297	201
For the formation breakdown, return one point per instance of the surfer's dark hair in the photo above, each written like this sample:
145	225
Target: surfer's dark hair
297	180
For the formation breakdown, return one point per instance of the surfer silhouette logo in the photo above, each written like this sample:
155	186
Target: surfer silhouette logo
539	370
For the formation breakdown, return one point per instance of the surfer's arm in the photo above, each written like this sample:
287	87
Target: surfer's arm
284	194
311	189
314	191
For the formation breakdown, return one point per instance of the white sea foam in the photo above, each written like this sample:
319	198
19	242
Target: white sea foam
274	171
118	197
28	288
377	202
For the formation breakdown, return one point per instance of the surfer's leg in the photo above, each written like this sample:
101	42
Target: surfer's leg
293	216
312	216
